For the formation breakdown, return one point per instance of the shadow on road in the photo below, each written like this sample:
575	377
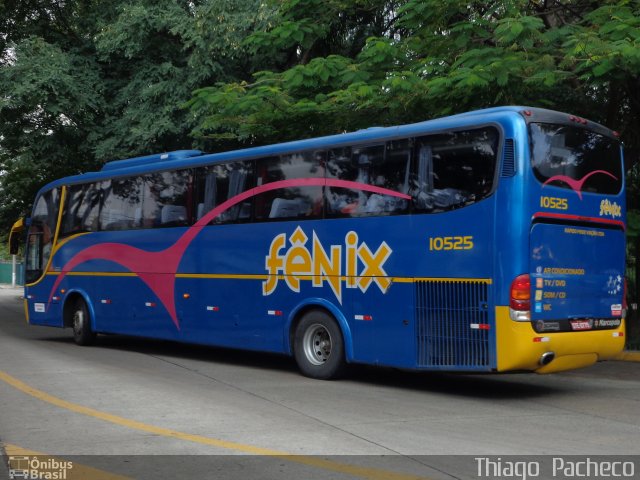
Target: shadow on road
487	386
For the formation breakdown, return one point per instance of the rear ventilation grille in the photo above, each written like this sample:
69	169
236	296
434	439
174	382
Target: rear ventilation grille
509	158
453	323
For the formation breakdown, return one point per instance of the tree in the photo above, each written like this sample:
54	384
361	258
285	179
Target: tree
85	81
428	58
154	54
299	62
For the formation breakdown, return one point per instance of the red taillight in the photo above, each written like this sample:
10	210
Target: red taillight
624	295
521	293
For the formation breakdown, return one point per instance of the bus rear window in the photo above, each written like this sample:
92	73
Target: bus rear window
575	158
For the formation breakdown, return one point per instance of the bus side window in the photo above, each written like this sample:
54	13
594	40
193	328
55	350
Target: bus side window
122	203
210	190
220	183
425	179
293	201
237	185
81	209
384	166
165	200
453	169
350	164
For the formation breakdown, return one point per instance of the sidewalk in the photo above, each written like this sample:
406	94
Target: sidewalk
8	290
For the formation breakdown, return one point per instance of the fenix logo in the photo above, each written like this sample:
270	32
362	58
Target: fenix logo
610	209
294	260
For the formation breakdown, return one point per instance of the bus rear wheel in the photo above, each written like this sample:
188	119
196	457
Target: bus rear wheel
81	323
319	346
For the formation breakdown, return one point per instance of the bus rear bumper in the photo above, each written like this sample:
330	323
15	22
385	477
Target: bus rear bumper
519	347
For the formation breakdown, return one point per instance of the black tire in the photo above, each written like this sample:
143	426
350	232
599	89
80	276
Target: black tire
81	323
318	346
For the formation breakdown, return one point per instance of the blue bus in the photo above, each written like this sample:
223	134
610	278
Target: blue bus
488	241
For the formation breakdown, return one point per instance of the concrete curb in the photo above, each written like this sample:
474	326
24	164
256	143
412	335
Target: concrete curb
628	356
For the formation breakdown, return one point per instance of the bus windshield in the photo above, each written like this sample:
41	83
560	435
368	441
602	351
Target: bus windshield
573	157
41	234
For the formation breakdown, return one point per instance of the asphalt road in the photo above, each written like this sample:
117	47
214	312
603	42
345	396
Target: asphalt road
152	409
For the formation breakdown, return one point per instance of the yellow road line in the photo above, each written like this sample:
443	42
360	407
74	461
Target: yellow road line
356	471
76	471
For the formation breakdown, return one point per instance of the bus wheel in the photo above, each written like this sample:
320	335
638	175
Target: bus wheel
82	333
318	346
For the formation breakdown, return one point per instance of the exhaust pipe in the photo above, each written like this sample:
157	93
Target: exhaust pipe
546	358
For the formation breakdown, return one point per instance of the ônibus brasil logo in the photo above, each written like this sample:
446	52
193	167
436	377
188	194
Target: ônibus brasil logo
296	258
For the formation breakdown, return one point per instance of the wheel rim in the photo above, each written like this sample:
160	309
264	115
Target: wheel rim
78	321
317	344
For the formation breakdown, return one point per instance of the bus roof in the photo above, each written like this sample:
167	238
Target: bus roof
194	158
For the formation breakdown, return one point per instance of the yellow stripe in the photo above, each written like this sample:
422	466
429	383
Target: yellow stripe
222	276
94	274
68	239
76	471
63	196
232	276
356	471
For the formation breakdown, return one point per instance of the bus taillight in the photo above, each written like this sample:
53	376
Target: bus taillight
520	299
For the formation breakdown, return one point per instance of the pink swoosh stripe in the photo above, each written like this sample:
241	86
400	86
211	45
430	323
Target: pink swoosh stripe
157	269
576	185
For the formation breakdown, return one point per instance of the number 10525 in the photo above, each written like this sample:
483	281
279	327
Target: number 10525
450	243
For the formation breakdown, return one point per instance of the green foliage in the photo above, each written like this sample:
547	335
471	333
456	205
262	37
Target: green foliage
4	252
163	51
84	81
427	58
49	106
633	224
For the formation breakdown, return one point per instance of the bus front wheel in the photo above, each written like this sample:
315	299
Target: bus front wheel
81	323
319	346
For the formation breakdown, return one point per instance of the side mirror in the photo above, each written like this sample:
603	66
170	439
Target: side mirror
16	237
